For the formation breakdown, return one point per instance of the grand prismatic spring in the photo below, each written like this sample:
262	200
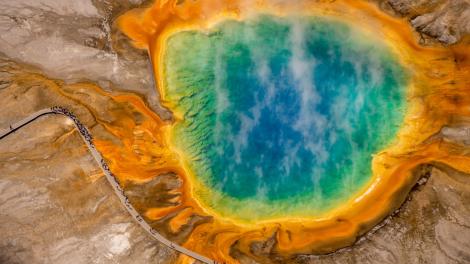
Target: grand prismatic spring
299	122
294	127
280	127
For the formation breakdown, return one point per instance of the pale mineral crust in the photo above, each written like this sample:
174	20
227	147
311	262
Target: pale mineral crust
76	40
56	208
447	21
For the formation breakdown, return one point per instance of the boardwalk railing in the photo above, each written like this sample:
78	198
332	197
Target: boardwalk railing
85	134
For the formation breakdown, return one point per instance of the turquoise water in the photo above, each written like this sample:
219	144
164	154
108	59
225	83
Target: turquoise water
287	109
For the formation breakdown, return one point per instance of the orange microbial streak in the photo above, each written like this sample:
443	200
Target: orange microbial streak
437	97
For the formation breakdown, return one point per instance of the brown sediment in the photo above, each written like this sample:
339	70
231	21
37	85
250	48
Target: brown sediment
437	97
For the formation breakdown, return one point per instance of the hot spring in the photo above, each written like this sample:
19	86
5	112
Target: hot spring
280	117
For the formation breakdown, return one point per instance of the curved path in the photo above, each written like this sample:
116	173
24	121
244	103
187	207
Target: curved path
109	176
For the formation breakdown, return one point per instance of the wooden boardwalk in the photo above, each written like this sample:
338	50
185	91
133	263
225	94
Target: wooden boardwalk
85	134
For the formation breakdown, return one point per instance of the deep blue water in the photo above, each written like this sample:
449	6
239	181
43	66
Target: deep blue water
282	108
